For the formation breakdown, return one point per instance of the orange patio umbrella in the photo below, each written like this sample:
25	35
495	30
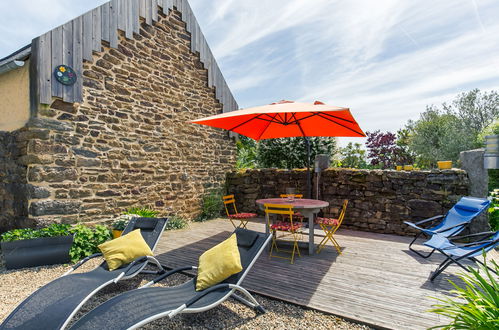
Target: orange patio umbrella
288	119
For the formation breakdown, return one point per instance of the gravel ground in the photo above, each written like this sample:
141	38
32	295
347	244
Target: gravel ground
16	285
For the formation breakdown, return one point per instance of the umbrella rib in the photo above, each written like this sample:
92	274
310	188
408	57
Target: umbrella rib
244	123
329	115
351	129
301	119
299	126
265	128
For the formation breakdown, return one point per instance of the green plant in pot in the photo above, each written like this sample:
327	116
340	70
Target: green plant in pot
54	244
118	226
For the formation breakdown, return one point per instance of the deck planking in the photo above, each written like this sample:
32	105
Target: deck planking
376	280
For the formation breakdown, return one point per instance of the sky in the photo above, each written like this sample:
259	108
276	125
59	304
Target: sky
385	60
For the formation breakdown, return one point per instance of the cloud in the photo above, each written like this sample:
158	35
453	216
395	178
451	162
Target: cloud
385	59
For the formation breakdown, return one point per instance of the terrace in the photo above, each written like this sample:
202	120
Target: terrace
376	280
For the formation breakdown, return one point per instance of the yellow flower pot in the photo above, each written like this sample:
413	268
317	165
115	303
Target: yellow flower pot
117	233
445	165
408	167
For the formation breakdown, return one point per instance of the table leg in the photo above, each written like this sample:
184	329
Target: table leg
311	245
267	221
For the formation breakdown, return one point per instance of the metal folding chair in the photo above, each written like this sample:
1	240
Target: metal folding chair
330	226
289	227
242	217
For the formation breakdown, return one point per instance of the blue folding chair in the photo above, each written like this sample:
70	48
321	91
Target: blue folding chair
455	253
454	222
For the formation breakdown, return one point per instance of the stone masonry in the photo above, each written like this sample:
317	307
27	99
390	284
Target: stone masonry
129	142
379	201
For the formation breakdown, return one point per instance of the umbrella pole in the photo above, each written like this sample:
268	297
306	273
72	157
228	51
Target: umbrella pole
309	185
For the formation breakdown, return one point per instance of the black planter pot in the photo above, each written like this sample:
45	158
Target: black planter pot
37	251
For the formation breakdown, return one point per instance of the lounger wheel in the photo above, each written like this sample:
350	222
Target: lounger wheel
260	309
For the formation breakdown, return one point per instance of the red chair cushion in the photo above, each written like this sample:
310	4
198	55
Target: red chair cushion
285	226
243	215
327	221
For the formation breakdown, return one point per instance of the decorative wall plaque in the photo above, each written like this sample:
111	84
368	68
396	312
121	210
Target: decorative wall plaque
65	75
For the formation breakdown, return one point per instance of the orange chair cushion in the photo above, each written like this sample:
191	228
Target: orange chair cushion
327	221
285	226
243	215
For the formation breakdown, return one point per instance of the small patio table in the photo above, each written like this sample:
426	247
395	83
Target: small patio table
307	207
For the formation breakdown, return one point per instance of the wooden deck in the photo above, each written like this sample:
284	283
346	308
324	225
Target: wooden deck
375	280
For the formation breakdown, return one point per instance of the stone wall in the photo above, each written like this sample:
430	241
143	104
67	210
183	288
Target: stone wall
129	143
13	204
379	201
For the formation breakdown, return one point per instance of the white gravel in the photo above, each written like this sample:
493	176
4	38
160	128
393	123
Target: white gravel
16	285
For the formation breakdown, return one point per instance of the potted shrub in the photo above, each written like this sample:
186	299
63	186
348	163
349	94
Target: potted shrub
118	226
35	247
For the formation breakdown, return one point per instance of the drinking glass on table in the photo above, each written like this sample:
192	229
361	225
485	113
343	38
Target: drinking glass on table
291	194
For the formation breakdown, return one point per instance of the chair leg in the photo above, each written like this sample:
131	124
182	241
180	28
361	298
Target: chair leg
417	252
440	268
250	301
232	221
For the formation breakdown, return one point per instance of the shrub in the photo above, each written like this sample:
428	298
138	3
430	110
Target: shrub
476	305
175	222
86	240
56	229
211	206
142	212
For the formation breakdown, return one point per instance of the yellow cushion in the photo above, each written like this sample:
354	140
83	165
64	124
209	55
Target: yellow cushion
124	249
218	263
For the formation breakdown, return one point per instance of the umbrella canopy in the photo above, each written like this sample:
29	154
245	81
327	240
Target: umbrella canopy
287	119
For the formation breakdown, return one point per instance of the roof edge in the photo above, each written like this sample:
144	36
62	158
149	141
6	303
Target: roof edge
18	55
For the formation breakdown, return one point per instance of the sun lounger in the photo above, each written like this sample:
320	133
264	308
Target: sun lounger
138	307
454	222
455	252
53	305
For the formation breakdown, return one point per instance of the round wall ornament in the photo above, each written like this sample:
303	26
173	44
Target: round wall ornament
65	75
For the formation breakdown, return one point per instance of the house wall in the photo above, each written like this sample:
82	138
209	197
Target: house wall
14	98
379	201
129	142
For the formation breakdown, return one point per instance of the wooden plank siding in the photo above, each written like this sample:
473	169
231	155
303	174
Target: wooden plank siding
75	41
78	59
375	280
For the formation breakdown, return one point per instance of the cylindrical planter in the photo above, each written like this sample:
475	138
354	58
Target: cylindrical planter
117	233
37	251
445	164
491	156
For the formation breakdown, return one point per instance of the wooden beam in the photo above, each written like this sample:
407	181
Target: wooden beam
96	30
67	58
57	59
41	64
113	24
105	21
78	58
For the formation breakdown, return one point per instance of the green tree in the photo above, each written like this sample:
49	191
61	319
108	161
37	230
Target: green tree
442	133
353	156
438	135
476	110
292	152
246	153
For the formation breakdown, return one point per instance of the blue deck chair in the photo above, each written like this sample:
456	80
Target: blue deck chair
454	222
457	252
54	304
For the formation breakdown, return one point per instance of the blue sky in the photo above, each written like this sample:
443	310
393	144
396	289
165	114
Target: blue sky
385	60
